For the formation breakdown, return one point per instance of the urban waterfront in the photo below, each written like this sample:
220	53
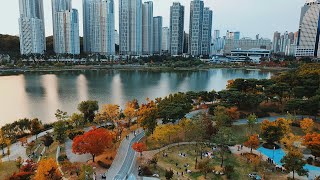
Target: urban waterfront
41	94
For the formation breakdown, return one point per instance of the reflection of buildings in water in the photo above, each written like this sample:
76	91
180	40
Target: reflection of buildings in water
14	99
82	87
51	98
117	96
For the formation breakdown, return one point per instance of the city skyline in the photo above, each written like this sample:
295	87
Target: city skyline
223	18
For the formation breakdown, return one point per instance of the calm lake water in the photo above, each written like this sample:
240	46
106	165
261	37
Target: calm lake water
41	94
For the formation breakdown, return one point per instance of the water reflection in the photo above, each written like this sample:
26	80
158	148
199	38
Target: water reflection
41	94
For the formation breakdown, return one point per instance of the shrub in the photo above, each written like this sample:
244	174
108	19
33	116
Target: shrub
62	158
73	134
146	171
104	165
310	160
169	174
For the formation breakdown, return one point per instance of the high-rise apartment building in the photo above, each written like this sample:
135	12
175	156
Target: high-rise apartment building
246	44
176	28
157	35
309	34
116	37
98	27
130	27
195	27
233	35
31	27
206	31
65	27
185	42
147	28
216	34
276	42
165	40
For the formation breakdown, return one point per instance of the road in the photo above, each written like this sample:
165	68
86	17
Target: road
126	168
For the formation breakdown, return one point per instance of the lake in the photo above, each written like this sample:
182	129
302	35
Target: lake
40	94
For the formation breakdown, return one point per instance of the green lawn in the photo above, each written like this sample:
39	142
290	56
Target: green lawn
7	169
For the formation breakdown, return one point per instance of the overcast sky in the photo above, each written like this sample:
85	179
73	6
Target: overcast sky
250	17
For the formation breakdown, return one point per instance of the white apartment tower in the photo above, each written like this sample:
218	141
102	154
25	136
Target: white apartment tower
98	27
130	27
31	27
206	31
147	28
65	27
165	40
195	29
176	28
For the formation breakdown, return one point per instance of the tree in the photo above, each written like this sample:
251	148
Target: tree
312	141
19	162
94	142
293	162
169	174
223	138
307	125
274	131
139	147
47	140
233	113
290	141
48	169
129	112
59	131
147	115
164	134
251	121
221	117
88	108
60	115
77	120
36	127
111	112
252	142
205	167
2	140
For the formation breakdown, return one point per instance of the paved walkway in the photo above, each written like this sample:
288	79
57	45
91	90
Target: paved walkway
125	158
18	150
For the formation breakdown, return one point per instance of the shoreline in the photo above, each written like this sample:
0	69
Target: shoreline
18	71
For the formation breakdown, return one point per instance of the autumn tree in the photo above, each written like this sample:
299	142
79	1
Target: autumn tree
111	112
274	131
48	169
47	140
205	167
164	134
88	108
94	142
147	115
312	141
307	125
3	140
290	141
254	159
129	112
252	142
233	113
139	147
294	163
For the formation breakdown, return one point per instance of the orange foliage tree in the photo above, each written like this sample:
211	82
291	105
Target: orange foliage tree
147	115
233	113
47	169
94	142
139	147
312	141
307	125
252	142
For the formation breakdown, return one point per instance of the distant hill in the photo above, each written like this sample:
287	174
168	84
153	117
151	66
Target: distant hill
9	44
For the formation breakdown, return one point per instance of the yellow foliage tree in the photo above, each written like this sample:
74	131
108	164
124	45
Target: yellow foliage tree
307	125
129	112
291	141
165	134
47	169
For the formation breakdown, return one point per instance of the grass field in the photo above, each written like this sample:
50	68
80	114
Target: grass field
7	169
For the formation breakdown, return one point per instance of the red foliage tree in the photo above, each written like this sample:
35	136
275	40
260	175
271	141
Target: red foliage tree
139	147
252	142
94	142
21	176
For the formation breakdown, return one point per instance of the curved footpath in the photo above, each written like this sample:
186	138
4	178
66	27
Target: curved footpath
122	164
